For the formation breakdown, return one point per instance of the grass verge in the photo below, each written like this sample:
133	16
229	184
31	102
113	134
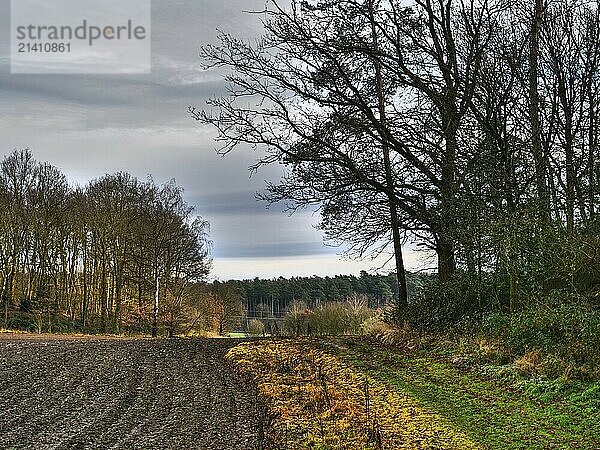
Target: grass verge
496	413
320	402
348	393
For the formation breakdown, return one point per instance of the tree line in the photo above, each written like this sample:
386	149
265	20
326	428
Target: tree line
469	128
118	253
263	298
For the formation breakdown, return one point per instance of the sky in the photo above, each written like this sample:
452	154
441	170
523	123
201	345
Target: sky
92	124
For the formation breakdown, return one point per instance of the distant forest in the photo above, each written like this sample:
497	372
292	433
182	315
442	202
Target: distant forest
273	298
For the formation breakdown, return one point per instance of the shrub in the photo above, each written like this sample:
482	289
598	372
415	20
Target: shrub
256	327
358	312
333	318
382	331
329	319
295	321
573	263
21	321
63	324
563	337
466	297
376	327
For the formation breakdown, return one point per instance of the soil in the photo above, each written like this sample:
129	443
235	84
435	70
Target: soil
75	393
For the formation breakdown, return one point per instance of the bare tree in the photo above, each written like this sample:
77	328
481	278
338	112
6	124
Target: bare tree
334	82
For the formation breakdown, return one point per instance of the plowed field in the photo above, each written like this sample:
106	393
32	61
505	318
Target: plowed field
71	393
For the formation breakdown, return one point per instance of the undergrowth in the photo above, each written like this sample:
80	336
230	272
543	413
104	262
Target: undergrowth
319	402
495	407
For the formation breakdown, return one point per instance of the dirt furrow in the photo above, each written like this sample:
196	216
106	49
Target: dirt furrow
123	393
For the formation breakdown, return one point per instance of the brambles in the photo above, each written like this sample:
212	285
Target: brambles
554	341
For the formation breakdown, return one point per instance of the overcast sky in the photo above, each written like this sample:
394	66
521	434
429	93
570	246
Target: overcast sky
88	125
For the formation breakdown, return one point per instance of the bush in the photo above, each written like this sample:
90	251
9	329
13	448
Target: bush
61	324
296	320
256	327
552	339
465	298
357	313
572	264
22	322
330	319
380	330
376	327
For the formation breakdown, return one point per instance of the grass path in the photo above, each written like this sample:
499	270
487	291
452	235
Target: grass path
493	415
320	402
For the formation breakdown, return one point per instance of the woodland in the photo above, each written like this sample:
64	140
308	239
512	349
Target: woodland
94	258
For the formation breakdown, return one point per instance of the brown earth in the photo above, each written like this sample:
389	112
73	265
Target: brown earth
70	393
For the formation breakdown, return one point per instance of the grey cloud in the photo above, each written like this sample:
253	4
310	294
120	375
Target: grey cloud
105	90
93	124
243	202
273	250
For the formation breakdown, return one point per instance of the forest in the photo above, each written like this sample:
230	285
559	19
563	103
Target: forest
274	297
117	254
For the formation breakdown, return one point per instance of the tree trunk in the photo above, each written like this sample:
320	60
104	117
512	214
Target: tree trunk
117	317
103	298
592	138
155	312
445	238
402	301
534	117
445	255
85	301
5	298
513	285
571	176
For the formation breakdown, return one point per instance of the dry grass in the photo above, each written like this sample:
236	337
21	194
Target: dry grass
319	402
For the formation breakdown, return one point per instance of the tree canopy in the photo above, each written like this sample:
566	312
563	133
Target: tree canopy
466	127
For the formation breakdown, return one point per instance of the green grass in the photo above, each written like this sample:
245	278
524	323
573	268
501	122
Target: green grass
237	335
498	415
